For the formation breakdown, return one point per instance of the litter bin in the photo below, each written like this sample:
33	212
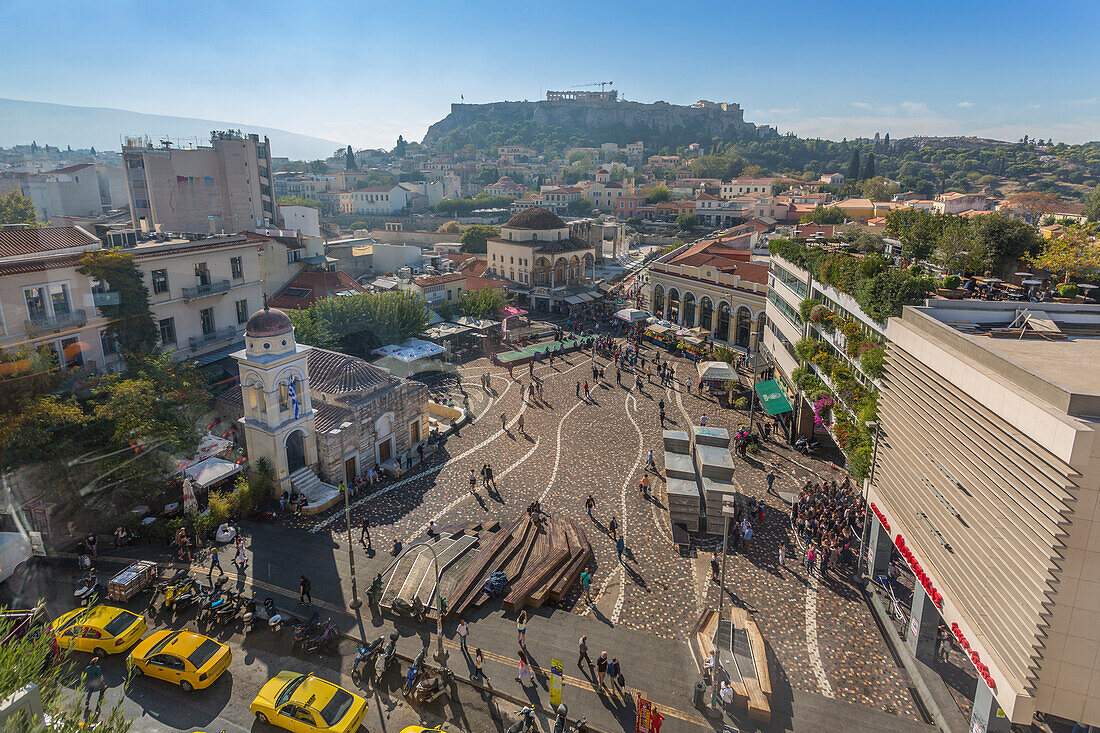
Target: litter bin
698	694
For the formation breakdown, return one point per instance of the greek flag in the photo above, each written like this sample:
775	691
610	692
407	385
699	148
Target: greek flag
293	398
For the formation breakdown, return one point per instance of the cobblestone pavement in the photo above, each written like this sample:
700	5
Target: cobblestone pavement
571	447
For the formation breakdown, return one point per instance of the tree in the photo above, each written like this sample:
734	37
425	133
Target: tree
868	166
1034	205
1074	254
853	167
876	188
1001	242
918	230
686	222
27	658
401	147
451	227
349	160
580	207
824	215
1092	205
475	237
318	167
955	248
124	300
15	208
483	303
299	201
660	193
357	324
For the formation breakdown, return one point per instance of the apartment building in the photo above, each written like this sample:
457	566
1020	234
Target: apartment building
226	187
788	286
372	200
987	473
742	186
46	306
80	190
713	285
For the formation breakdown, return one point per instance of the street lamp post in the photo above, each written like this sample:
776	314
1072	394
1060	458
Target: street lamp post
865	537
727	512
355	602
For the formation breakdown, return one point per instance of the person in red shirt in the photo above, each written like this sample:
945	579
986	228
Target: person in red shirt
655	720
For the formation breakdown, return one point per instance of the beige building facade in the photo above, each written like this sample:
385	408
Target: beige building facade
988	470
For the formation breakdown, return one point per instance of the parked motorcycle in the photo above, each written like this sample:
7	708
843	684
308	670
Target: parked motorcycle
226	608
207	597
327	637
432	684
414	674
806	447
254	615
307	628
383	660
365	655
526	722
415	610
561	722
179	594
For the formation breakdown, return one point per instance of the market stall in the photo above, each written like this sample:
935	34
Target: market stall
409	357
661	335
210	472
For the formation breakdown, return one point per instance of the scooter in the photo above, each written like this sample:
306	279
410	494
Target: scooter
415	610
383	660
365	655
266	612
306	629
433	683
561	722
208	597
327	637
178	595
225	609
414	674
89	591
806	447
526	721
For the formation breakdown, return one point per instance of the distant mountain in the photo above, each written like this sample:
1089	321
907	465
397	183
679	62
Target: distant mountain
101	127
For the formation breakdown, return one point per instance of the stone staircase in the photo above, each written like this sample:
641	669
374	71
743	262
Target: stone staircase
321	496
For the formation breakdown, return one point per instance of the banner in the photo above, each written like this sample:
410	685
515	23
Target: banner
641	722
556	673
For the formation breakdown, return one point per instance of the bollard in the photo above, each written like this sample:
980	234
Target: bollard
698	693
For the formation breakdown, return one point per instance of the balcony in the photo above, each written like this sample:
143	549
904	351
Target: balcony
216	287
222	334
59	322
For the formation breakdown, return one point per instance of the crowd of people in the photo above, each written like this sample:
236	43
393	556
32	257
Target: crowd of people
826	517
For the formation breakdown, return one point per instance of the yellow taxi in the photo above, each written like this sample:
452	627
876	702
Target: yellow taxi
99	630
420	729
303	703
184	658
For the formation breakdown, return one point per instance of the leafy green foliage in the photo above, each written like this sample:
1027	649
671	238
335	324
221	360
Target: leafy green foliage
824	215
806	307
1000	241
356	324
475	238
1068	290
463	207
951	282
483	303
686	222
125	302
15	208
580	207
1092	205
299	201
658	194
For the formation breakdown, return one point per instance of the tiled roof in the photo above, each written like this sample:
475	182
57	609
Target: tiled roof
319	284
334	373
29	241
69	169
429	280
481	283
19	267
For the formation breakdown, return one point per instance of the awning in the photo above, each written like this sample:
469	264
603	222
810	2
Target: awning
211	471
657	329
411	350
574	299
514	311
716	371
773	398
446	330
631	315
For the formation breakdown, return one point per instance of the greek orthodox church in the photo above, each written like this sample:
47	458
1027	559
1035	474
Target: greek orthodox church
318	416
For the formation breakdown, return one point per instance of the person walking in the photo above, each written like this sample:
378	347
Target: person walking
783	555
811	557
473	479
584	652
589	505
586	583
524	670
215	562
644	485
649	462
615	673
304	596
578	389
620	546
463	631
601	669
519	422
241	559
703	419
503	421
93	682
612	527
489	480
521	629
715	568
364	531
586	390
770	479
479	665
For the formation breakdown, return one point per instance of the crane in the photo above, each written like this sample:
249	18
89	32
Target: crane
600	84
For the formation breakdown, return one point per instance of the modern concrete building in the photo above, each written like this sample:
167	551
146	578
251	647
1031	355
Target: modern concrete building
80	190
987	473
713	285
226	187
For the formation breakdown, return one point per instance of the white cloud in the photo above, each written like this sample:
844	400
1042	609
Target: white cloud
861	105
915	108
964	105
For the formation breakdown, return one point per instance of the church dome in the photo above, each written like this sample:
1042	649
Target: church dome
268	322
535	218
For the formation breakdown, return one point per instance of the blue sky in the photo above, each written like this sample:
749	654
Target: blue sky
363	72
